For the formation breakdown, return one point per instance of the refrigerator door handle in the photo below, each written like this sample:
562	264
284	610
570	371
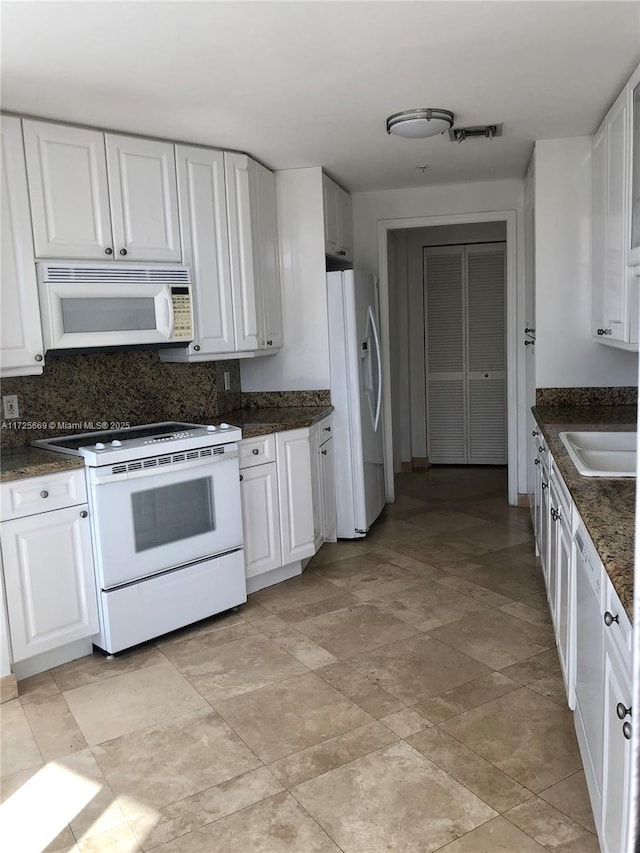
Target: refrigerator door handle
376	338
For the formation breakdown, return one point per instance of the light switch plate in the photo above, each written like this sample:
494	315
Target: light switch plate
227	380
10	407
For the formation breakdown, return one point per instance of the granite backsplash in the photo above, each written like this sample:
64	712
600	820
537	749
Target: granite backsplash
78	393
284	399
625	395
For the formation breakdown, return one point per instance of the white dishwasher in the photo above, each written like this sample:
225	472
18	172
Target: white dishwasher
589	710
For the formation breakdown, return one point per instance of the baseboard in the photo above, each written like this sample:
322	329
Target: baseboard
283	573
8	688
406	467
420	462
523	500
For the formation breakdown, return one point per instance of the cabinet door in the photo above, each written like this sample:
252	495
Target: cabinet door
205	247
598	229
240	177
345	224
269	257
260	519
144	199
615	212
330	207
69	193
21	334
295	491
565	606
328	480
316	487
48	570
616	754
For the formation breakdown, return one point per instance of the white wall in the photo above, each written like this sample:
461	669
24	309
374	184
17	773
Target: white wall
566	355
303	363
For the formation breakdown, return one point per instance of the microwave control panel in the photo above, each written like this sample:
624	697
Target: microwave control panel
182	321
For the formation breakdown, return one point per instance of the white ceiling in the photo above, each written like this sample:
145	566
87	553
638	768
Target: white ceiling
311	83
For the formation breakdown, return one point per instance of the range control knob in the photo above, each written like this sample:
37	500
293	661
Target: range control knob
211	428
99	445
225	426
116	443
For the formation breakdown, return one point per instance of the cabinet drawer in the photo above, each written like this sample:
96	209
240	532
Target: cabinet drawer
257	451
325	430
619	632
31	495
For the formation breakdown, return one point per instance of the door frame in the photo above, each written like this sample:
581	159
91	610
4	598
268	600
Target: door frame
514	367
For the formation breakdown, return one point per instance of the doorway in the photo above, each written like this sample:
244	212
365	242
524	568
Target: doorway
401	416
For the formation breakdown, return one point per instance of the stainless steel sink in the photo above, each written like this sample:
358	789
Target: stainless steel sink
602	454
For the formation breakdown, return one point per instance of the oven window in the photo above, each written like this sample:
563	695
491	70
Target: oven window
108	314
171	513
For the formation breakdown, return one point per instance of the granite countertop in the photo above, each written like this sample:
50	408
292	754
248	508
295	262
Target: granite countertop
607	506
254	422
27	461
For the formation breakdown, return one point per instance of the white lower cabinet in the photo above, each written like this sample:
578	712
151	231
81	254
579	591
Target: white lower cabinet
277	506
616	770
261	518
48	576
594	639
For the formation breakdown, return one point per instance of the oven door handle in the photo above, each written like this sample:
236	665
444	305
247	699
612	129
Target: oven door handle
98	479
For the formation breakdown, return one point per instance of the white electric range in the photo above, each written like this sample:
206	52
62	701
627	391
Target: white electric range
166	525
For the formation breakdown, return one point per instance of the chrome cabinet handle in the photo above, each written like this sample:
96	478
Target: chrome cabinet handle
108	251
622	712
241	477
601	332
255	451
84	513
626	730
545	485
324	452
123	251
38	357
196	348
609	619
536	461
44	493
327	429
555	515
541	448
534	432
269	343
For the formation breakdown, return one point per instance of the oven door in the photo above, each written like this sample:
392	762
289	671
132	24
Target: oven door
154	519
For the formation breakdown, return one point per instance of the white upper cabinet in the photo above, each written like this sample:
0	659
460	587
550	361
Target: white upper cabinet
255	277
614	305
633	95
338	228
205	249
144	199
101	196
69	191
20	331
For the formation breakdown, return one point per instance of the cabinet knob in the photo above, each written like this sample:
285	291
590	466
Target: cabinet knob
255	451
545	485
108	251
241	477
341	252
324	452
269	343
604	332
84	513
622	712
541	448
609	619
196	347
38	357
626	730
534	432
555	515
536	461
327	429
123	251
44	493
529	331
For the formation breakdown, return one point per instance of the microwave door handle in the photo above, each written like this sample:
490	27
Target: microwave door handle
168	305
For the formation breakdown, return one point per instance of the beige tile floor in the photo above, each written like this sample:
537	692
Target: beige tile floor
403	694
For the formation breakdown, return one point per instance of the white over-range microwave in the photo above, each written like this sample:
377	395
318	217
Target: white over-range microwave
114	305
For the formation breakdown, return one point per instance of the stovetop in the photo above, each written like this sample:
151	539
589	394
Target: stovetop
139	442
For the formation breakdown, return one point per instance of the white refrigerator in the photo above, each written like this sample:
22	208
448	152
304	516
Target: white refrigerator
356	394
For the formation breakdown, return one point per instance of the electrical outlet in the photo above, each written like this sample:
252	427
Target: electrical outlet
10	407
227	380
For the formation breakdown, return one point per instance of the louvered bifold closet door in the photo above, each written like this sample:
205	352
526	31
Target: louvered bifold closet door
486	357
445	354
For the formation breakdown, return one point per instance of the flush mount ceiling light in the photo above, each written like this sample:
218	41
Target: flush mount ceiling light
418	124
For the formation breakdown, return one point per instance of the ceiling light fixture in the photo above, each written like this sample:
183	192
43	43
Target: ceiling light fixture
418	124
